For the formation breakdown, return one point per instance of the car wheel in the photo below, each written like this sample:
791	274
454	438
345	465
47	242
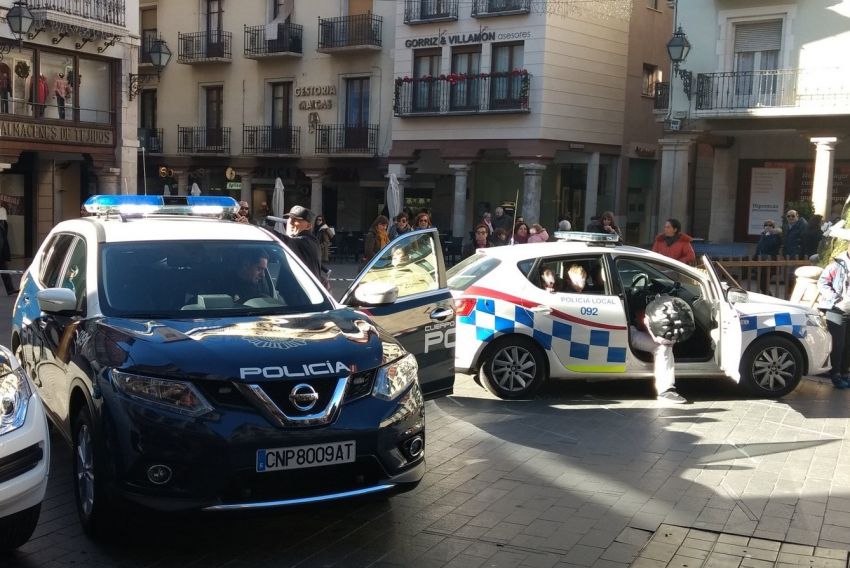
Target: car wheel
515	367
771	367
93	505
16	529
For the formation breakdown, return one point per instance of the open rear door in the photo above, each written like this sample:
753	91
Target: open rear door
728	351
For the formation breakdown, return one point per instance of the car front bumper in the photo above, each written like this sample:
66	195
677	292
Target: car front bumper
25	462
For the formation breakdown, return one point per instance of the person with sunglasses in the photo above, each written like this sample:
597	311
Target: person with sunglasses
794	229
400	226
423	221
770	241
244	213
481	239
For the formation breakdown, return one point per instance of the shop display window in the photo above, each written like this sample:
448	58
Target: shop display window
54	88
95	88
16	75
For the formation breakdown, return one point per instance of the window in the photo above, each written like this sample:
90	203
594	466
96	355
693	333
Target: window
571	275
466	63
412	266
505	87
653	4
54	258
149	34
56	73
757	47
214	115
95	88
147	109
426	65
281	118
214	17
650	78
357	113
75	273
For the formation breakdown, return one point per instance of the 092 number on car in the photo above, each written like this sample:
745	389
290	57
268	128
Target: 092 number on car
306	456
589	311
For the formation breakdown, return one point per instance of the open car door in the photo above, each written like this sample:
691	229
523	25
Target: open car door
422	315
728	337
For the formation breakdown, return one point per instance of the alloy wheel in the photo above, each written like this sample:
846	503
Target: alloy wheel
773	368
85	469
514	368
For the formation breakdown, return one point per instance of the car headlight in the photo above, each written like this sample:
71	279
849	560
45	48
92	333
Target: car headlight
816	320
15	393
393	379
178	396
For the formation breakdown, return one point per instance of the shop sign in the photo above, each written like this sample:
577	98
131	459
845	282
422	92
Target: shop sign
767	194
233	185
315	91
444	38
645	150
56	134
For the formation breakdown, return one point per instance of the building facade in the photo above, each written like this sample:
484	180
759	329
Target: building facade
758	124
261	90
503	101
66	129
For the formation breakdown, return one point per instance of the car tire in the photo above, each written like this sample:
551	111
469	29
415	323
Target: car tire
90	472
771	367
16	529
514	367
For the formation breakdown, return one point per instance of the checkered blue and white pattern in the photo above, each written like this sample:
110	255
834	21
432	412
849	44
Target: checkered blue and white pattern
756	325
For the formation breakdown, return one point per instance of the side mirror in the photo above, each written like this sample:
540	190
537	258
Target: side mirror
55	300
376	293
737	296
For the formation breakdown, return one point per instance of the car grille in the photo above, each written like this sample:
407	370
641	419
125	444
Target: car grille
359	385
279	393
20	462
223	394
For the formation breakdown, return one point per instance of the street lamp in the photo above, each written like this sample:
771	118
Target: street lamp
678	48
160	55
20	19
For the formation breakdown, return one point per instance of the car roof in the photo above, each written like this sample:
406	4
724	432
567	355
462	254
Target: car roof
517	253
165	228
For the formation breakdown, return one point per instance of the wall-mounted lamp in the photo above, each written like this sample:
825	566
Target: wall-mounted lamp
678	48
160	55
20	20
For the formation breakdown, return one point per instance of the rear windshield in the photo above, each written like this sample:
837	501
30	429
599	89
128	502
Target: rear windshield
469	271
175	279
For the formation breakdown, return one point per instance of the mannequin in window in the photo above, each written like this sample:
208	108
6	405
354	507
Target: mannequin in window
40	95
60	89
5	90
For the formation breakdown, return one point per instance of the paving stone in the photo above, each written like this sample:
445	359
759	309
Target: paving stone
680	561
717	560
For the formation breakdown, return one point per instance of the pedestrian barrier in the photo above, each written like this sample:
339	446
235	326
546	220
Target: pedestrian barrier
772	277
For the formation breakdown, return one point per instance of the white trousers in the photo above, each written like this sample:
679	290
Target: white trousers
664	371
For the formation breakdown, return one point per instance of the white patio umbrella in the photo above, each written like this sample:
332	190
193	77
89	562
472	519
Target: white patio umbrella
195	189
278	207
393	197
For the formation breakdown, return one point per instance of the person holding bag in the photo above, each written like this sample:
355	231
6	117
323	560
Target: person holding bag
834	288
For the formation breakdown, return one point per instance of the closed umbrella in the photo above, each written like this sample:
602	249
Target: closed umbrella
393	197
195	189
278	207
166	190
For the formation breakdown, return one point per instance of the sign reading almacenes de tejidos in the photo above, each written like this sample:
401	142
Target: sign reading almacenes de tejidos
56	134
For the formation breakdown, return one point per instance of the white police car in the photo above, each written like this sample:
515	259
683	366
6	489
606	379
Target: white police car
24	454
196	364
513	334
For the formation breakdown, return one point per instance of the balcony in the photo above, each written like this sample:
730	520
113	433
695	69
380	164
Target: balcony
490	8
92	19
774	92
151	139
271	140
342	139
429	11
350	33
661	100
204	47
287	41
203	140
450	95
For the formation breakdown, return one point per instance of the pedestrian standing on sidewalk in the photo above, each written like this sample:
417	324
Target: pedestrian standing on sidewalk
324	234
675	244
794	230
834	288
300	240
400	226
375	239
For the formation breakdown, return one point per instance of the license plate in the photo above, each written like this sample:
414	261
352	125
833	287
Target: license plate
298	457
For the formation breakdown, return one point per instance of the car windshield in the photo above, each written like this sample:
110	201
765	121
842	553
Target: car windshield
180	279
469	271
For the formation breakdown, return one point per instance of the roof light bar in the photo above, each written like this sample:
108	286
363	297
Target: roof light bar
198	205
583	237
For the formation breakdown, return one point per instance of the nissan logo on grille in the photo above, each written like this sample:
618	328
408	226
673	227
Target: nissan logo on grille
303	397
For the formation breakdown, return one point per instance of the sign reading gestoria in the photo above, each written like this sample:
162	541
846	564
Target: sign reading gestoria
444	38
56	134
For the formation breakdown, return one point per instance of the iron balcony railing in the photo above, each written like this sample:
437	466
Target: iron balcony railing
360	31
736	90
484	8
342	139
287	39
198	47
271	140
424	11
151	140
203	140
463	94
145	50
106	11
662	96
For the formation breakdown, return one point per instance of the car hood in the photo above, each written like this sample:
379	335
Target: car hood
327	344
760	304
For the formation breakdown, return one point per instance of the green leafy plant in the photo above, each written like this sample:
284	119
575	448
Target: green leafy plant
22	69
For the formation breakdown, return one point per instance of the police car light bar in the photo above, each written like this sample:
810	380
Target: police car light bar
198	205
582	237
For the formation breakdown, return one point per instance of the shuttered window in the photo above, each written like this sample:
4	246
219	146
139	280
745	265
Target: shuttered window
758	36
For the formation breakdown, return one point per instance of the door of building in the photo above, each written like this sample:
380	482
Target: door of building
357	113
757	48
214	117
574	194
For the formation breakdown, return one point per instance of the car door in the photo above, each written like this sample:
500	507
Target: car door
422	318
586	330
729	335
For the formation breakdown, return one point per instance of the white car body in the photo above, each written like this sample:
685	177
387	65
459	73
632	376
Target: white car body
586	335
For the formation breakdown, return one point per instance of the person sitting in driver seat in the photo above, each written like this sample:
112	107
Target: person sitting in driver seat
576	279
249	279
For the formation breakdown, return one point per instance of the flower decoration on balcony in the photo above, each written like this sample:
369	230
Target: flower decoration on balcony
22	69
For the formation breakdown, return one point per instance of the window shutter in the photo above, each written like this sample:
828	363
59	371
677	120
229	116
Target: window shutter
758	36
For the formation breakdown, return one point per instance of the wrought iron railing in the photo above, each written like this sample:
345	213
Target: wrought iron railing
151	139
271	140
738	90
342	139
288	39
203	140
350	31
482	8
196	47
662	96
145	49
423	11
106	11
463	94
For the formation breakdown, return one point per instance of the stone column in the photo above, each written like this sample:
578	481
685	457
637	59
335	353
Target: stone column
673	189
245	193
724	187
316	179
591	190
182	182
822	183
109	181
459	224
532	191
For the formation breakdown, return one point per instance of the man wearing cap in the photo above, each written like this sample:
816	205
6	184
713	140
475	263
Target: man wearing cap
300	240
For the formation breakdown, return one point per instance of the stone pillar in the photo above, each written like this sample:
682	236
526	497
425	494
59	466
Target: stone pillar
182	182
109	181
673	188
591	191
459	224
245	192
724	189
316	179
532	191
822	183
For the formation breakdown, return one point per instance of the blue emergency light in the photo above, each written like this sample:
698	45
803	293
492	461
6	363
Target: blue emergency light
200	205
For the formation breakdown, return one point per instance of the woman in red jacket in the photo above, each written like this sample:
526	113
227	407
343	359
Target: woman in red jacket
674	243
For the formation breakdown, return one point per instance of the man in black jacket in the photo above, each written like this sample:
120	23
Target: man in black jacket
300	240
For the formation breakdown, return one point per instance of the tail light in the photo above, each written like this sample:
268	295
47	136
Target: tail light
464	306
